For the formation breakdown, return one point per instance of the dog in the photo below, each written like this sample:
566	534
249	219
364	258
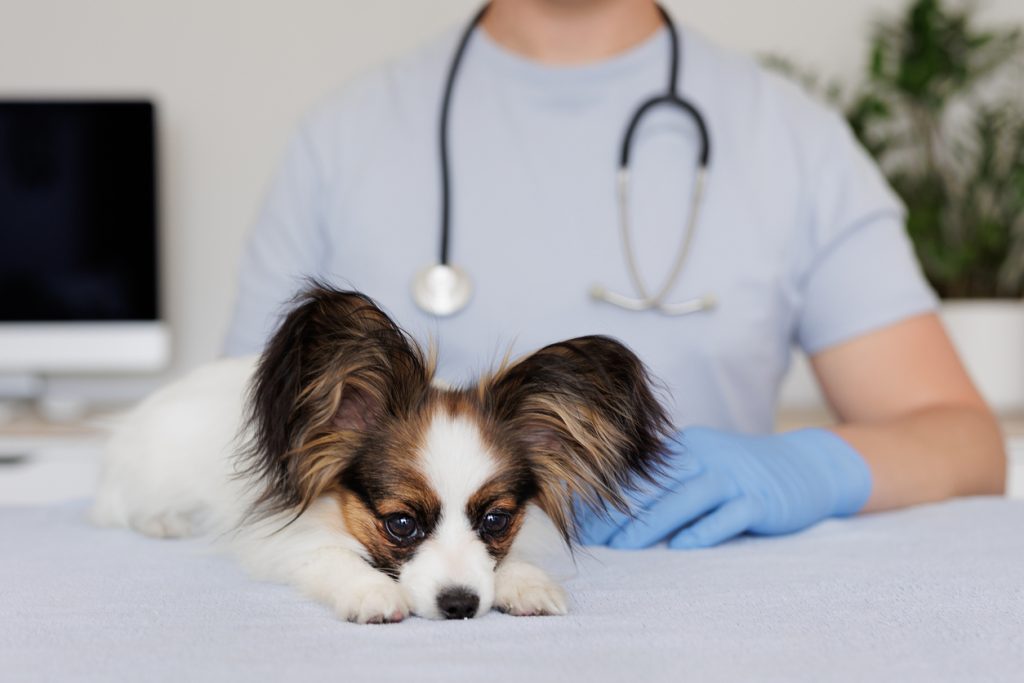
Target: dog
335	463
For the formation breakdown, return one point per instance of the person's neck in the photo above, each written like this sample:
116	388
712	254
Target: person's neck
566	32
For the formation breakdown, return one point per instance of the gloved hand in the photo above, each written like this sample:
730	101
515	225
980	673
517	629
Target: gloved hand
719	484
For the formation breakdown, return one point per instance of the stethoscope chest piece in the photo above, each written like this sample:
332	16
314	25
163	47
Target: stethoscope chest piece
442	289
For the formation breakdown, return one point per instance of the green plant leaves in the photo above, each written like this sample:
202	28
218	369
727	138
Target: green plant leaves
949	134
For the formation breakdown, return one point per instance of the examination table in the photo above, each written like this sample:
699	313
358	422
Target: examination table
934	593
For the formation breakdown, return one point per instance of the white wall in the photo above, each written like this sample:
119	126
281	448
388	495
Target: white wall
232	76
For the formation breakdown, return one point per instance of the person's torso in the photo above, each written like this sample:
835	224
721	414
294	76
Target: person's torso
534	155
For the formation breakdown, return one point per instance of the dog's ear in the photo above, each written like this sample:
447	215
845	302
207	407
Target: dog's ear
336	369
585	415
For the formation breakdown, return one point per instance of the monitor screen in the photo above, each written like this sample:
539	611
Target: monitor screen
78	234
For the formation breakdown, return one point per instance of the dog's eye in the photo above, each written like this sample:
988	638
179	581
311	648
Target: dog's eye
401	526
494	523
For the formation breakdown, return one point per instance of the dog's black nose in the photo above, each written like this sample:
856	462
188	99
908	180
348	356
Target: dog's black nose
457	602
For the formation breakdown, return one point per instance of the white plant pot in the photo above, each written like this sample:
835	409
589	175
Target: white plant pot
989	334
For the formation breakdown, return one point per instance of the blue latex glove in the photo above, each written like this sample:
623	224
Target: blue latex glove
719	484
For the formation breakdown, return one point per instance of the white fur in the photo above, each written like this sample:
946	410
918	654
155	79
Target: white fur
169	471
457	464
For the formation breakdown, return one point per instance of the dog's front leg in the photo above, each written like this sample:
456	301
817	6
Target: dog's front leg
521	588
524	590
314	553
355	591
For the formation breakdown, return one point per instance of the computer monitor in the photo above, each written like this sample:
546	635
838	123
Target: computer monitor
78	238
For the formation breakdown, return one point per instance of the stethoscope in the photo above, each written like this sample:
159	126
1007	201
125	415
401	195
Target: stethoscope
444	289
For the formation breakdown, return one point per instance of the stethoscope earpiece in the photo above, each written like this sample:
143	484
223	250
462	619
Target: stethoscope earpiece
444	289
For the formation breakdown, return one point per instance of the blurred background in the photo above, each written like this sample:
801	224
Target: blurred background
228	80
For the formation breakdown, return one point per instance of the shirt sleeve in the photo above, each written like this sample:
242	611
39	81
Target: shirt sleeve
859	271
282	250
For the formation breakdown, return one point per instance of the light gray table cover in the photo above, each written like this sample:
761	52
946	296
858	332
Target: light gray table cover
934	593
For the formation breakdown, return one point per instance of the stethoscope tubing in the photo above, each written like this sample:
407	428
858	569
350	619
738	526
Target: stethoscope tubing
445	272
446	104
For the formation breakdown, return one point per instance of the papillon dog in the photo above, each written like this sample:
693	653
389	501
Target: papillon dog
335	463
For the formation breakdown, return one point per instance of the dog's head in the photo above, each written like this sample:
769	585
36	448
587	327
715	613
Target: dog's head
434	483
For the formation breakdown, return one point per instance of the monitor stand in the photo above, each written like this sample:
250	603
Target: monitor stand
16	392
27	393
20	386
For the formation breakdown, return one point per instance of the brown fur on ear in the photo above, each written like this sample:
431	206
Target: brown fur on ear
337	369
584	414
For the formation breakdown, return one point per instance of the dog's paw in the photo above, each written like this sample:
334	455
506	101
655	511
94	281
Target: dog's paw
523	590
377	601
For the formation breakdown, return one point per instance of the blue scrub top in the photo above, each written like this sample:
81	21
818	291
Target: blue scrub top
800	239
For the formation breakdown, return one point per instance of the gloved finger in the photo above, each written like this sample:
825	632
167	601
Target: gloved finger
731	519
687	502
597	528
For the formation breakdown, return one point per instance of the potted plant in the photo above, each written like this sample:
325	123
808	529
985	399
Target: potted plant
942	111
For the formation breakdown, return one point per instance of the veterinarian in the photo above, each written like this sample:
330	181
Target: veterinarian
749	220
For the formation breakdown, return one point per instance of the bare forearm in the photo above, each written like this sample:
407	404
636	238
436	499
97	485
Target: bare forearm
929	455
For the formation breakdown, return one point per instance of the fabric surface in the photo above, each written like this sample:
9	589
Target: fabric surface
799	237
928	594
